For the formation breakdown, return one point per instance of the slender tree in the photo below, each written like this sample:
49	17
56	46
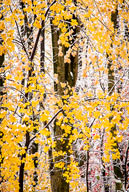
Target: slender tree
2	93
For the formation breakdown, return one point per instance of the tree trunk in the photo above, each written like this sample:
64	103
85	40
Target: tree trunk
111	87
105	179
67	73
87	171
1	94
27	32
21	171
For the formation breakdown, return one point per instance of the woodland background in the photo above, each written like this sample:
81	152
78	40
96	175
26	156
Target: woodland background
64	95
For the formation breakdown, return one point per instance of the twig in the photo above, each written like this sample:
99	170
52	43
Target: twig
110	91
20	35
9	87
6	108
61	110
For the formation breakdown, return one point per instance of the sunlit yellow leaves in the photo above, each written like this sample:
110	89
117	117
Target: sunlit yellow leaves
8	40
120	1
57	19
67	15
74	22
119	138
44	116
88	14
45	132
125	124
96	137
66	128
59	122
68	2
57	7
106	158
100	94
37	24
75	132
64	39
2	25
25	118
21	22
60	165
46	148
117	118
35	103
90	115
72	171
3	114
86	146
116	155
28	9
97	114
63	85
12	118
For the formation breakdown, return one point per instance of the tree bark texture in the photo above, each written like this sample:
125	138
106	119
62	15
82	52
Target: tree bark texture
67	73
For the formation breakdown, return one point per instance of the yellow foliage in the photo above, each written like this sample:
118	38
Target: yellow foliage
30	96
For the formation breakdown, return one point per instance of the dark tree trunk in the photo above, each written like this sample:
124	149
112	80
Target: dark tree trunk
105	179
87	171
27	31
67	73
42	49
1	94
22	166
125	166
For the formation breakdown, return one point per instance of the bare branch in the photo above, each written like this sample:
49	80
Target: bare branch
13	88
20	35
6	108
61	110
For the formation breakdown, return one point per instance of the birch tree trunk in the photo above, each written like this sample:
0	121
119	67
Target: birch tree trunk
118	172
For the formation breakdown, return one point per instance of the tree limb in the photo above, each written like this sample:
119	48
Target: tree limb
61	110
39	32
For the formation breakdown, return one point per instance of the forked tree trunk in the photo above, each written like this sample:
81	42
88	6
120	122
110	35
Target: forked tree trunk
67	72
